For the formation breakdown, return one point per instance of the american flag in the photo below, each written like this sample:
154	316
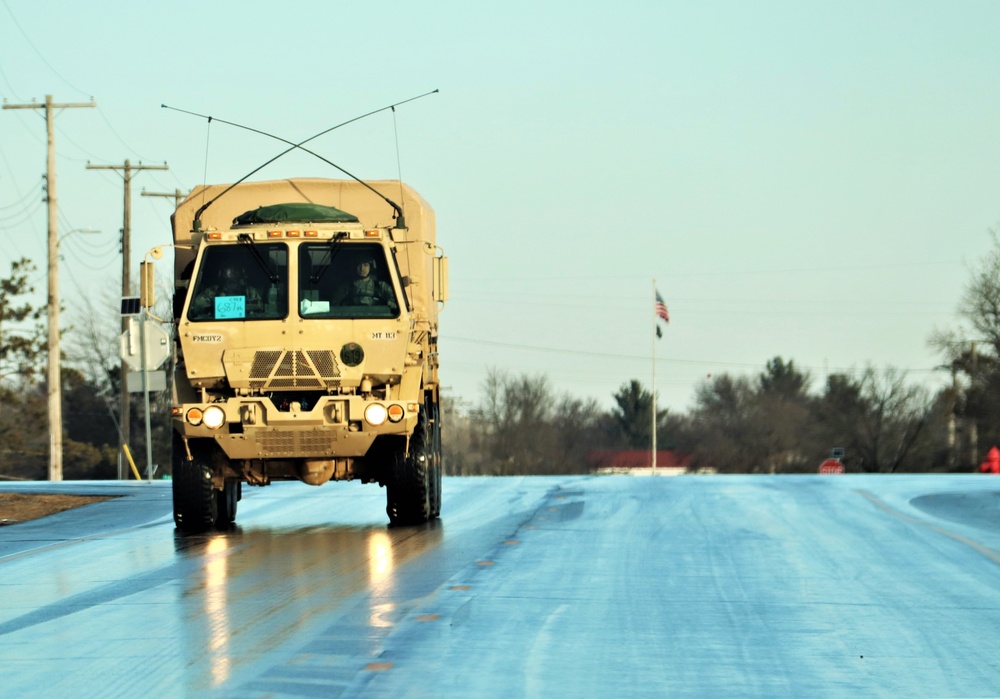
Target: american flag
661	308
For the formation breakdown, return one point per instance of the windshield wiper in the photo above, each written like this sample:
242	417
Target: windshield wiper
265	264
328	256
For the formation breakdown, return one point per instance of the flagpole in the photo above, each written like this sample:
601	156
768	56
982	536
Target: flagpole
655	319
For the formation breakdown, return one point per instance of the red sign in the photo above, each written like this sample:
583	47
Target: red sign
831	467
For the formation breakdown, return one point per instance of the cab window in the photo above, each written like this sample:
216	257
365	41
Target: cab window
241	282
338	280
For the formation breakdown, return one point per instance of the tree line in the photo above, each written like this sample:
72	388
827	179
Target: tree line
90	390
770	423
776	421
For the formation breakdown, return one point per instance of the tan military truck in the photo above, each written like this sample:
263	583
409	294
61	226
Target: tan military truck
306	314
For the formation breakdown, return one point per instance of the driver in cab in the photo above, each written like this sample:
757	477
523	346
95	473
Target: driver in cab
366	289
231	282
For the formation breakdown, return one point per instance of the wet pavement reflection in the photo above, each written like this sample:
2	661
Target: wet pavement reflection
286	603
542	586
253	591
147	610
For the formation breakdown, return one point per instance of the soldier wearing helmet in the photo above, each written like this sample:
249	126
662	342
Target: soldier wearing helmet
230	283
366	289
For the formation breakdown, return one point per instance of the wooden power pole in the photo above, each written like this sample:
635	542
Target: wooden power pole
54	378
127	169
178	195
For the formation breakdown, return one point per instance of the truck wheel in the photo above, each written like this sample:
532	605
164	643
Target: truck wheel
226	500
408	491
196	506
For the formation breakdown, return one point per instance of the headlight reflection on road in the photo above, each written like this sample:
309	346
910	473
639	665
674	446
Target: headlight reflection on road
380	566
216	572
379	558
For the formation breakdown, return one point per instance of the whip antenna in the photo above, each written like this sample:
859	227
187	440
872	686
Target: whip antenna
400	221
399	162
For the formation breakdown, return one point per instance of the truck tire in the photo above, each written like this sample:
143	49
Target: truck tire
226	500
196	506
408	493
436	460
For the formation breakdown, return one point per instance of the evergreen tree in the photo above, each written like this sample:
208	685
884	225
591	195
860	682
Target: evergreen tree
22	335
632	416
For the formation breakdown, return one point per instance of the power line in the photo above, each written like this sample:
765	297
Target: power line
646	358
32	193
116	134
37	52
705	273
19	217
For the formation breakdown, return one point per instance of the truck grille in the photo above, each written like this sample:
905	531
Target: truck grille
273	444
277	369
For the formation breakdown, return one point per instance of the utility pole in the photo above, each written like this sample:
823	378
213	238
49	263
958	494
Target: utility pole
54	377
177	194
974	422
952	452
127	170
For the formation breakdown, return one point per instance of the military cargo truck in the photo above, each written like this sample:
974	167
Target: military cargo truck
306	315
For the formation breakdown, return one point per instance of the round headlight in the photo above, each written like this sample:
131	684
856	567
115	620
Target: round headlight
215	417
194	416
395	412
375	414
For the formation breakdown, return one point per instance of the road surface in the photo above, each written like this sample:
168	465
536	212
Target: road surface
610	586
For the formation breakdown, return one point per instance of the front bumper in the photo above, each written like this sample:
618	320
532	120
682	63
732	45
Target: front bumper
255	428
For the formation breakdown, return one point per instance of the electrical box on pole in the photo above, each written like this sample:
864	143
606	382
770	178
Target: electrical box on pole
147	290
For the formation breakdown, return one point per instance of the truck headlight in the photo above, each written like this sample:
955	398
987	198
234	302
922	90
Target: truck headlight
194	416
214	417
375	414
395	412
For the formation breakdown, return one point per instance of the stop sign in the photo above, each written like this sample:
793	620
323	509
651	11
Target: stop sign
158	347
831	467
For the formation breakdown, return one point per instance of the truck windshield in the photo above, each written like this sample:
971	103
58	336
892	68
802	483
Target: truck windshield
345	280
241	282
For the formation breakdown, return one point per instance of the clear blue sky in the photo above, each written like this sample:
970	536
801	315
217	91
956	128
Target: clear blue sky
803	179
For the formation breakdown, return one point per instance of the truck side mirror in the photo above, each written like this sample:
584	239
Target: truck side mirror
441	279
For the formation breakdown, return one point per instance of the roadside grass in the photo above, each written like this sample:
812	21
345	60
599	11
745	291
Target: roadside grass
23	507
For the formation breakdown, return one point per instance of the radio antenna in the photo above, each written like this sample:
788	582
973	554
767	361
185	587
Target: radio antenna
400	221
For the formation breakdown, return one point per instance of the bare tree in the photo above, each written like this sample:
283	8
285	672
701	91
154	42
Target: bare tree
456	437
980	304
574	424
893	418
95	352
521	427
972	354
722	431
95	346
516	413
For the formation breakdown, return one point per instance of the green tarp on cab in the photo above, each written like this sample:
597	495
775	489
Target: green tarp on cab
294	213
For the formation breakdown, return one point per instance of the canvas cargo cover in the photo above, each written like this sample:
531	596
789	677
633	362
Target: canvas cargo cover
346	195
